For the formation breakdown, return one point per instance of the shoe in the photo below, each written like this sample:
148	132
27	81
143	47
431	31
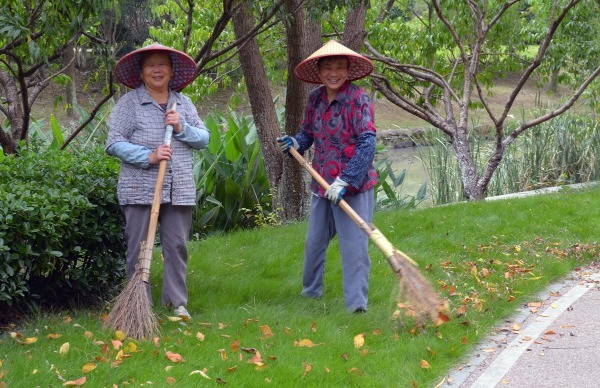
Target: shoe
360	310
182	313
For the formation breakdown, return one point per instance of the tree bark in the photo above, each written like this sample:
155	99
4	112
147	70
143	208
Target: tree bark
354	30
69	64
261	100
294	191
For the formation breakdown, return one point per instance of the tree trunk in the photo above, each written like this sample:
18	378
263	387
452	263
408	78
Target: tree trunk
14	113
71	93
294	191
354	30
261	100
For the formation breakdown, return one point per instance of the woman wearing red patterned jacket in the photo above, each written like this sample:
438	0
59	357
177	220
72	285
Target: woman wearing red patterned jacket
339	122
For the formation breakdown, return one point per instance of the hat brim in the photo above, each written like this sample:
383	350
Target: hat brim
308	70
128	68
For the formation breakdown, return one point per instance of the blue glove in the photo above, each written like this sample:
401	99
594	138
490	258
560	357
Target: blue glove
336	191
286	142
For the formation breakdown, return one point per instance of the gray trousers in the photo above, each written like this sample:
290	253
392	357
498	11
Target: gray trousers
325	221
174	227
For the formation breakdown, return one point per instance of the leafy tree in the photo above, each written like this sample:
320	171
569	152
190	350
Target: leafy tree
33	36
440	64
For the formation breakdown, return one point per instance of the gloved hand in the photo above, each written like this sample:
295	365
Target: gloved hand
286	142
336	191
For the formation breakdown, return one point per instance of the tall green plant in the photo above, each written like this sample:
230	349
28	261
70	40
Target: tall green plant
557	152
230	177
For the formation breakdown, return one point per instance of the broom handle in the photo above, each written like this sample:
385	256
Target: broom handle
374	234
160	179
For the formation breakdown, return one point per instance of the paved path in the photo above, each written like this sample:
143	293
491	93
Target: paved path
556	346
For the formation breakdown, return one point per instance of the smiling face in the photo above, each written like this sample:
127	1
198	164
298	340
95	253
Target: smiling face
156	71
333	72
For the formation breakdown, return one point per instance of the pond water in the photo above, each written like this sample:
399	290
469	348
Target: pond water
409	159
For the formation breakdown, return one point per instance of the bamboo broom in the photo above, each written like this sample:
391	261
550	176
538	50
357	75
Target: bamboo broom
132	312
416	290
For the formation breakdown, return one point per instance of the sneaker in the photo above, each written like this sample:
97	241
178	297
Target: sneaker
182	312
360	310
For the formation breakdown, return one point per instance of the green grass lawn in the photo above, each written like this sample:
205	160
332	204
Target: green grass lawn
486	258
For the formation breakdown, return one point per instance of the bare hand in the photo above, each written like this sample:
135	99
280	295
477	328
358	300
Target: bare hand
172	118
163	152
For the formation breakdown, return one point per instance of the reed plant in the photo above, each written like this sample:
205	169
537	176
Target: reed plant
561	151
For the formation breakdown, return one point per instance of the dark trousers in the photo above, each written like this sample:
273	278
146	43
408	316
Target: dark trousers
174	227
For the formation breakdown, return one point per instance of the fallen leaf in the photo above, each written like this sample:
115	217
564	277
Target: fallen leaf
553	305
516	327
75	383
223	354
355	371
550	332
527	338
464	340
168	368
424	364
201	373
174	357
64	348
116	344
249	350
235	345
156	341
175	319
431	351
359	340
266	331
511	298
87	368
171	380
120	335
130	348
441	319
462	310
88	334
256	359
313	327
287	330
232	369
376	332
54	336
489	350
307	368
28	341
304	343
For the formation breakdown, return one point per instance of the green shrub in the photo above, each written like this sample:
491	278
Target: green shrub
60	228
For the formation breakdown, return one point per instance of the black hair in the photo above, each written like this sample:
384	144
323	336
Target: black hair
333	57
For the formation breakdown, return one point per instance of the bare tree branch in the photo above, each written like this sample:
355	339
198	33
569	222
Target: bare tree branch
111	92
536	62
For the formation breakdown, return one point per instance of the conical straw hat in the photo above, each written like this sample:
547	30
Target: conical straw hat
308	71
128	67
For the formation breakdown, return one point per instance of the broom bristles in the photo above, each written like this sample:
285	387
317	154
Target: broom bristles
132	312
416	289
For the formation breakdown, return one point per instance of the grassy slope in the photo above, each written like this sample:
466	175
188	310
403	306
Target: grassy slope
244	282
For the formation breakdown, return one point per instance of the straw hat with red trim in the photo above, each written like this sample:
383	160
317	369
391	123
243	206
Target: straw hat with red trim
308	70
128	67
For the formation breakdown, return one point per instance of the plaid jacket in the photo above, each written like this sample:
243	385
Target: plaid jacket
138	120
